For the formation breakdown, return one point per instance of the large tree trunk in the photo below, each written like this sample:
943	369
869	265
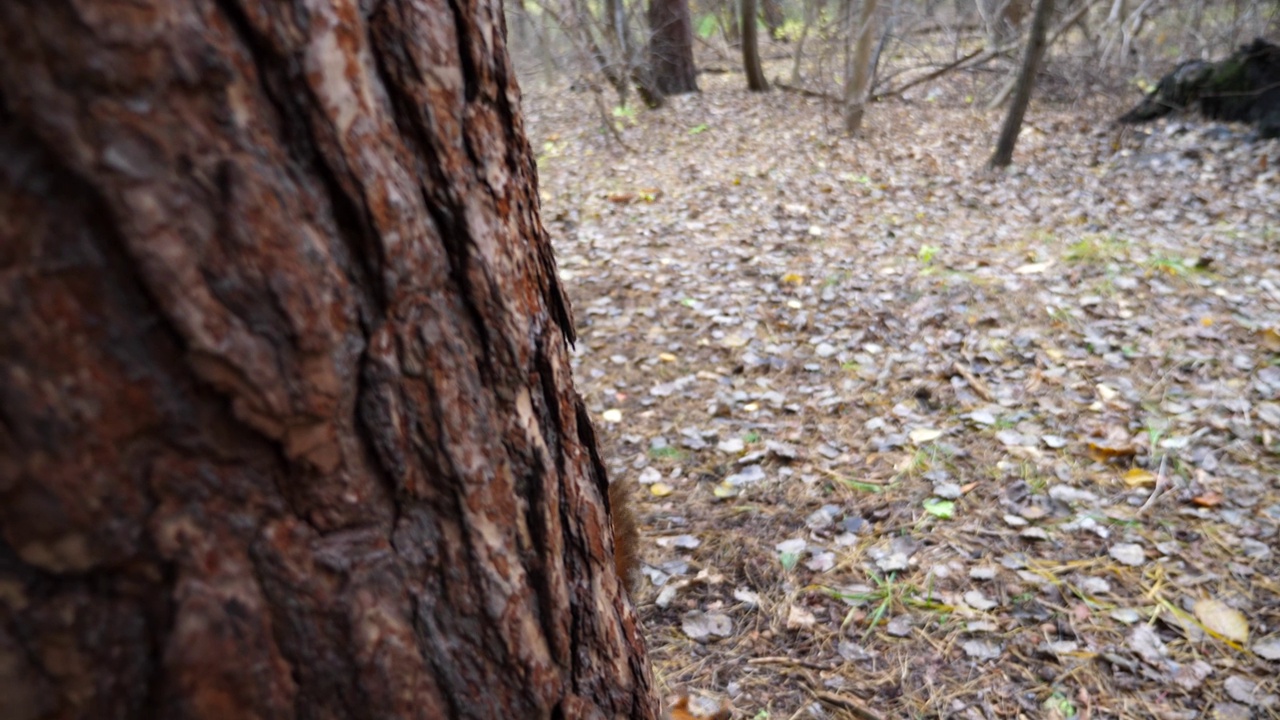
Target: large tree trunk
287	427
671	47
1031	59
751	49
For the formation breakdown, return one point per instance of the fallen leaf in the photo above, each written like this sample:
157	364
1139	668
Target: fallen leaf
1268	648
1103	452
1222	620
1138	477
724	491
1246	691
660	489
978	601
1128	554
799	618
940	508
1213	498
920	436
981	649
1269	338
1033	268
705	626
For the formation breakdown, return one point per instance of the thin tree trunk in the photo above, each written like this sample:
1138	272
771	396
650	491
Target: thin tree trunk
809	11
727	12
751	49
619	39
855	97
671	47
771	11
1031	59
287	423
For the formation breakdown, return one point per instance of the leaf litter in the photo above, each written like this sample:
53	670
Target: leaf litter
953	442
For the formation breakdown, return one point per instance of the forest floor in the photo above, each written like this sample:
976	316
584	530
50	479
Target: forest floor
911	438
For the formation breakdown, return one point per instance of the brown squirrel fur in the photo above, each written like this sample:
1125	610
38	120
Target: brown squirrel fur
626	535
626	547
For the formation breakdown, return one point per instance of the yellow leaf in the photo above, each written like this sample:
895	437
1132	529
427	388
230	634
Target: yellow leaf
666	357
1270	339
1222	620
1137	477
1101	451
660	489
793	278
724	490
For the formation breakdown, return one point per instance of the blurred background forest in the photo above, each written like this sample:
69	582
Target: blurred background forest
910	437
855	52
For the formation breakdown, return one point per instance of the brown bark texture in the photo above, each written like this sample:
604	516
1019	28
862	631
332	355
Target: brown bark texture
1032	56
751	49
858	80
287	427
671	47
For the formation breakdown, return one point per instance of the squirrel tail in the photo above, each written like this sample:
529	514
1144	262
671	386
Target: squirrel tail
626	535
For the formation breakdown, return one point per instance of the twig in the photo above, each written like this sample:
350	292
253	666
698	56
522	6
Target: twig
717	50
854	706
978	386
783	660
931	76
1064	26
1072	20
1161	485
806	92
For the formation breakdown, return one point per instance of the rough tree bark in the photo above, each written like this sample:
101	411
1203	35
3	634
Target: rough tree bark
671	47
287	427
1031	59
751	49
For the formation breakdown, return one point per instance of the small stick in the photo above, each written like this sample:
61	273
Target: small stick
783	660
854	706
1161	485
978	386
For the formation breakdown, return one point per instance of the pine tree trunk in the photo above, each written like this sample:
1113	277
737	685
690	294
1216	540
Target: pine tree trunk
1031	59
671	47
287	427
